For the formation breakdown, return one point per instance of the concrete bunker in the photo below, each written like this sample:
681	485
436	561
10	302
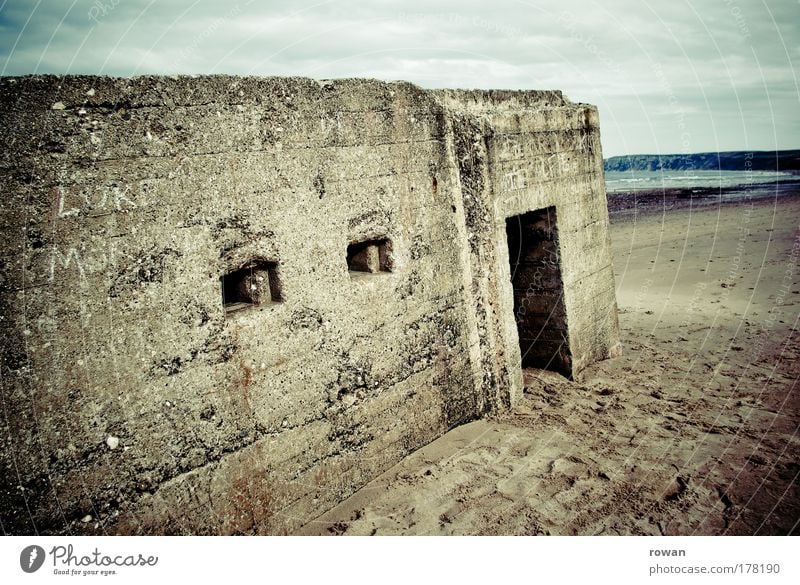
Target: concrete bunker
535	264
139	306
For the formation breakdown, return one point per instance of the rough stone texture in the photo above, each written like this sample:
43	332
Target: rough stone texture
125	202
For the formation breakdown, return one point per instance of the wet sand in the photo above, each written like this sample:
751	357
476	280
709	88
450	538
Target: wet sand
694	430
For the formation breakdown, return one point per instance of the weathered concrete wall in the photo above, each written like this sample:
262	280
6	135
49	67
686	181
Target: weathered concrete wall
124	202
527	151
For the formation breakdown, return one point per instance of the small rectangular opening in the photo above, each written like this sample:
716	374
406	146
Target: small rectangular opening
370	256
255	284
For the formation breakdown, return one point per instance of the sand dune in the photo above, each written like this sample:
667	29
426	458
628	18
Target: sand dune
694	430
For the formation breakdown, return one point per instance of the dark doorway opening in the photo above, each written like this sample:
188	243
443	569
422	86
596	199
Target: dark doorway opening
535	260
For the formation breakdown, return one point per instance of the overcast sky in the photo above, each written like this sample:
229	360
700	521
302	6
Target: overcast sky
668	76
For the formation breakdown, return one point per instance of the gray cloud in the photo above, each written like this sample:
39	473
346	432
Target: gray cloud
696	74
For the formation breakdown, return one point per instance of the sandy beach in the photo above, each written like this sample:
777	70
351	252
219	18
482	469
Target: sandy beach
693	430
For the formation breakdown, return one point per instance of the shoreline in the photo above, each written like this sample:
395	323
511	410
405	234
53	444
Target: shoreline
622	204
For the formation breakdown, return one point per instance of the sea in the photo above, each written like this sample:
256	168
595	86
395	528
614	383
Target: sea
695	179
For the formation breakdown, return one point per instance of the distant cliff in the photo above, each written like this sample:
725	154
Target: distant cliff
782	160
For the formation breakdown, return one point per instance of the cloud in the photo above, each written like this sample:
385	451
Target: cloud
640	62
